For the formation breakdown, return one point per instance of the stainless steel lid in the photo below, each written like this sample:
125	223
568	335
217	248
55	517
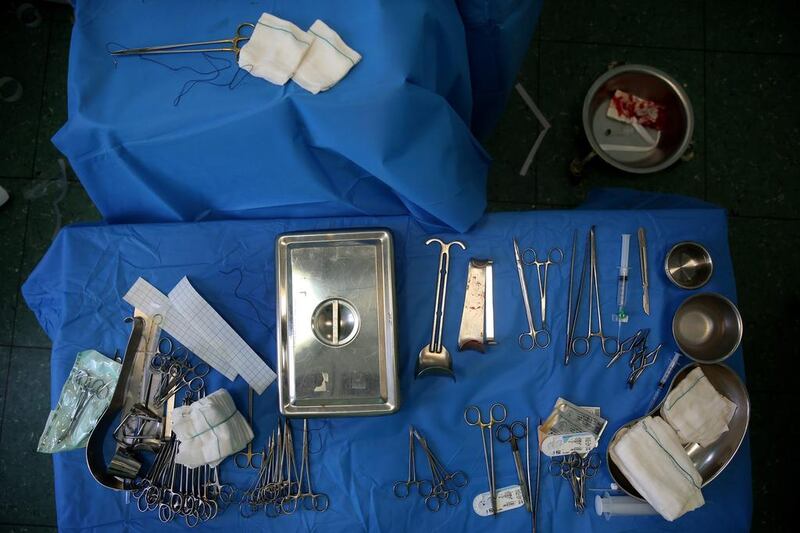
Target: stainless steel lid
336	332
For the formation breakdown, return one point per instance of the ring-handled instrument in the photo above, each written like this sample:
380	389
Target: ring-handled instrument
555	256
248	459
474	417
581	344
512	434
402	489
179	376
234	44
568	347
533	338
434	357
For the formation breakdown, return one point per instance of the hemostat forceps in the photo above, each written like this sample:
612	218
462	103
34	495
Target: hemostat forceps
233	45
533	338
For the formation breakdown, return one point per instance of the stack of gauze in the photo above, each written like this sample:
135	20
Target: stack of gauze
278	50
209	430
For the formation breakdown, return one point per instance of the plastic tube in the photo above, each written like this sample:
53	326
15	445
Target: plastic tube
608	506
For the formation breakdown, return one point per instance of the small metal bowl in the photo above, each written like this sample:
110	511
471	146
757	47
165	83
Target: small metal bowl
651	84
707	327
688	265
710	461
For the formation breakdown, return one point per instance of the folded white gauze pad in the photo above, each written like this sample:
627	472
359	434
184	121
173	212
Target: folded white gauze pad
650	456
209	430
696	410
275	49
328	60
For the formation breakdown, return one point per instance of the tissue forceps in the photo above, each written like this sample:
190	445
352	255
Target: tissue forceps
554	257
474	417
186	48
540	338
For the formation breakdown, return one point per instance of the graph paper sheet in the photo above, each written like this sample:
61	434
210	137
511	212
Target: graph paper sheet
152	302
215	331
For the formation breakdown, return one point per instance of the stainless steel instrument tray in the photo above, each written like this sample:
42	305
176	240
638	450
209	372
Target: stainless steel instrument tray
336	331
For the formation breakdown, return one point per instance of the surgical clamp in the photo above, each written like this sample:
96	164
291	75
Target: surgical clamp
538	338
555	256
477	420
188	48
512	433
581	345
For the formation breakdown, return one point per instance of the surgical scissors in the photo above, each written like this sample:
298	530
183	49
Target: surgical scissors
474	417
538	338
512	433
555	256
186	48
581	345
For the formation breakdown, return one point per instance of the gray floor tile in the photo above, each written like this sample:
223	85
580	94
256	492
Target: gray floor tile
743	25
24	51
15	528
54	98
770	462
42	223
753	131
675	24
26	409
769	297
509	206
5	360
13	220
567	71
512	139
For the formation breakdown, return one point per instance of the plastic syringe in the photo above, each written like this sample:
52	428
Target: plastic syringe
663	381
622	280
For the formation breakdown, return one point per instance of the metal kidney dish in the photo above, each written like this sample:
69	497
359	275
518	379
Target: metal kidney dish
710	461
336	332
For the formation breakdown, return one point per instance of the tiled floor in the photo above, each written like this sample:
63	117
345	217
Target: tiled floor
739	62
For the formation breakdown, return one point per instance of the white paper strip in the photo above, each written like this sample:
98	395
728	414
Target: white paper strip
215	331
152	302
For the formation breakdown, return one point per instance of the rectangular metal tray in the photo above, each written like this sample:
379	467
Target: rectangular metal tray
336	331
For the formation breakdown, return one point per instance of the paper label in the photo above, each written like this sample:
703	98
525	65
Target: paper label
508	498
568	418
581	443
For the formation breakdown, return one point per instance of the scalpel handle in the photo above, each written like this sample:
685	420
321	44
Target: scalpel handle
643	265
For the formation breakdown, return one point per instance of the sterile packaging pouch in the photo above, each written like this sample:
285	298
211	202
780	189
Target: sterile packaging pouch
84	397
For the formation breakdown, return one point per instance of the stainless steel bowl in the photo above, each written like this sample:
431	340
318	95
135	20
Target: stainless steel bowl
707	327
688	265
711	461
645	82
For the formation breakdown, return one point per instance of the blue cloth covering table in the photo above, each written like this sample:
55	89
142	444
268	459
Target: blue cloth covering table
76	293
190	137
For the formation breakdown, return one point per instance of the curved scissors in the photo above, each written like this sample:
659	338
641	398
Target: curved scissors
186	48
